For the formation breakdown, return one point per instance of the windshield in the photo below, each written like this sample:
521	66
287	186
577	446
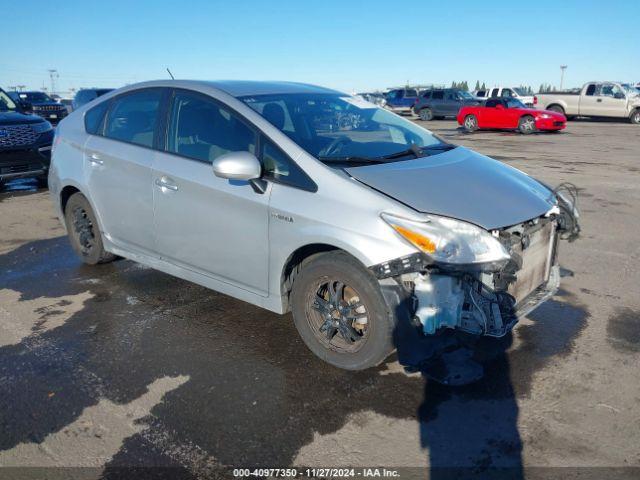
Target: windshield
35	97
521	91
334	127
515	103
6	103
465	95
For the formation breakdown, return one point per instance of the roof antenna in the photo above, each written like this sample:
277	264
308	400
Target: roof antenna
170	74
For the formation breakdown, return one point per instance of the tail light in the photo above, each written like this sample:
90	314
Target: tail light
415	102
535	100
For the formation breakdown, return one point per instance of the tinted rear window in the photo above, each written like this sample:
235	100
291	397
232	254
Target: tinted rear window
133	117
438	95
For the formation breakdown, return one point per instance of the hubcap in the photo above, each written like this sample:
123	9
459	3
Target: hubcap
83	229
338	318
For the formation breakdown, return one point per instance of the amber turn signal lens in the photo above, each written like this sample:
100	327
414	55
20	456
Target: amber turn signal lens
420	241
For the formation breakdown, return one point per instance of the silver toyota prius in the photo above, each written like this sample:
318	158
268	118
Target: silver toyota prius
299	198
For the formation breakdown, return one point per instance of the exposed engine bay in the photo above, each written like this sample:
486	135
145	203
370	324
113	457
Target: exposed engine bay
484	302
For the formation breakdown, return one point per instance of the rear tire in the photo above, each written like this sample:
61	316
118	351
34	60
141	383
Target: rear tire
527	125
84	232
557	109
470	123
340	312
635	117
426	114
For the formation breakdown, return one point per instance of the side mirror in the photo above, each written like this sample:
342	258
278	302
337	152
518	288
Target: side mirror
240	166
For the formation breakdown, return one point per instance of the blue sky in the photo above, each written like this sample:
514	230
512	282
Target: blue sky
353	46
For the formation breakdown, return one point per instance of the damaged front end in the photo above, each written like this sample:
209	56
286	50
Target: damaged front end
484	298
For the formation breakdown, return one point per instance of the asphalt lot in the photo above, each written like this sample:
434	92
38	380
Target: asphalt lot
120	365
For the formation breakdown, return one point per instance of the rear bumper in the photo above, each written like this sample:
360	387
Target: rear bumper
33	162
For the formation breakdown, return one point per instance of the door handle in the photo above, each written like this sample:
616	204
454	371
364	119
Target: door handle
95	159
164	182
599	100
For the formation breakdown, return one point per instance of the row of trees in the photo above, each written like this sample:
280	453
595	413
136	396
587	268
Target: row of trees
482	86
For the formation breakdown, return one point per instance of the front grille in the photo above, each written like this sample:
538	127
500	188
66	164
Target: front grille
17	136
24	167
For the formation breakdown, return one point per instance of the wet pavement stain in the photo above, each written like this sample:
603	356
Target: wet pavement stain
255	394
623	330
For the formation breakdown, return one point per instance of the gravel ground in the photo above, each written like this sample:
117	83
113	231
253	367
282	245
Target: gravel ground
122	366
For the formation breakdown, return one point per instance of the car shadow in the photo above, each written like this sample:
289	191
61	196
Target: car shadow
253	394
471	431
19	187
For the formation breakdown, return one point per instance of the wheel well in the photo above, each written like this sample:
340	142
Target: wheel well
293	264
555	105
65	194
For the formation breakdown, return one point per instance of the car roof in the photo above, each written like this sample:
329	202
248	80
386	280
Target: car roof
242	88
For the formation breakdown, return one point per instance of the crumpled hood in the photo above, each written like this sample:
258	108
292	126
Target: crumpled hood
461	184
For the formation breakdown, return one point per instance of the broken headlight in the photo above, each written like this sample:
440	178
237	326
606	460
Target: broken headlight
450	242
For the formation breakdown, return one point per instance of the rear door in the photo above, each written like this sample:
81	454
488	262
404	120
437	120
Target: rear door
214	226
117	162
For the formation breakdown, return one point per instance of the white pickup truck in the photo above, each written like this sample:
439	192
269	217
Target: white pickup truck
505	92
596	99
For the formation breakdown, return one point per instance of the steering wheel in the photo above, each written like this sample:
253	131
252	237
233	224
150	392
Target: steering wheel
333	146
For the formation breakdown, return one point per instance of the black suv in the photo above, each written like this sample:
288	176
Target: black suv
442	102
41	104
25	142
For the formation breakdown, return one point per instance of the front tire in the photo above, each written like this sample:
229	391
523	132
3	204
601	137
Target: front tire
426	114
340	312
527	125
83	231
635	117
470	123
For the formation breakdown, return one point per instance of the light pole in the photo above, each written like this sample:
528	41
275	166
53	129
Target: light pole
562	69
53	74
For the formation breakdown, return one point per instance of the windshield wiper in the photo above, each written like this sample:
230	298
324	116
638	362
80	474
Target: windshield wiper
349	159
419	151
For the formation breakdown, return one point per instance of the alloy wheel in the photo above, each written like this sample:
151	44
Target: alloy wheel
337	316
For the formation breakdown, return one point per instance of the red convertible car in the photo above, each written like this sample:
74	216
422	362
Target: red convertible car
511	114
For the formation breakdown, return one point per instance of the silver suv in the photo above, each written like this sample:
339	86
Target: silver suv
299	198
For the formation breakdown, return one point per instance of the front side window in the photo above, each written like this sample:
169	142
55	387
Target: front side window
507	93
133	117
201	129
334	127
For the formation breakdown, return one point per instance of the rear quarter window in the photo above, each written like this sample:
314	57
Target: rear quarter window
94	118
